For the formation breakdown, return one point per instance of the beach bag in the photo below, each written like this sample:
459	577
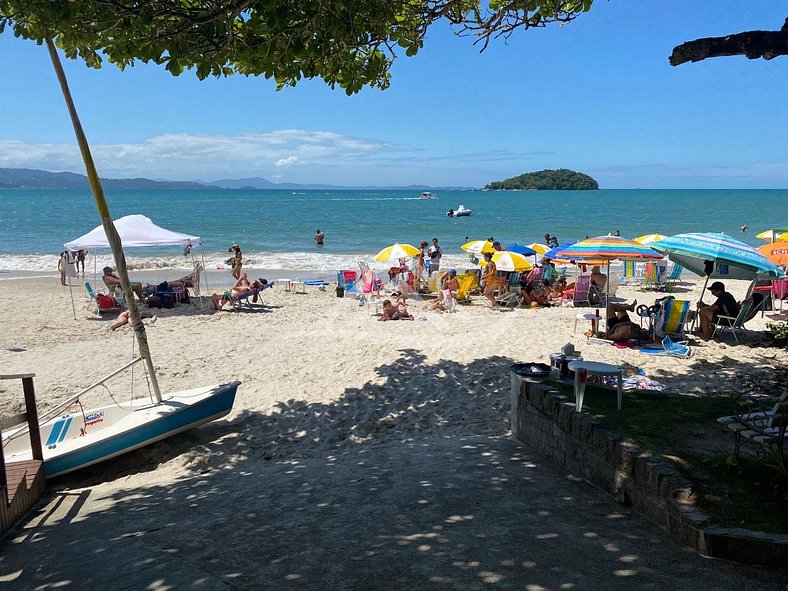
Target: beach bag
105	302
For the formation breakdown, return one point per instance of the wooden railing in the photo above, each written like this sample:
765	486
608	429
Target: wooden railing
30	416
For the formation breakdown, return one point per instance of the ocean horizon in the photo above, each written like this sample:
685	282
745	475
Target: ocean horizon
275	228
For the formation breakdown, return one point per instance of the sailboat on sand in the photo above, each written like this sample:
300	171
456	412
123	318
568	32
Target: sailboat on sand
72	437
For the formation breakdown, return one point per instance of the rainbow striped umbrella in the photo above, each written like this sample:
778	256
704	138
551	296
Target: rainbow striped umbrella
607	248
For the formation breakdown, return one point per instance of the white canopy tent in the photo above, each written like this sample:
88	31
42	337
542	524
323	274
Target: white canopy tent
136	231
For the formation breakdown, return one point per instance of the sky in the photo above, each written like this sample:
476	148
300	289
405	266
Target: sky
596	95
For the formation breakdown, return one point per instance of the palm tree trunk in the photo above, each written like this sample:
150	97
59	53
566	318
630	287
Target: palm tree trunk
106	220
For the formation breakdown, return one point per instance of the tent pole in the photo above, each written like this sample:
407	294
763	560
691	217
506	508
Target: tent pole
71	293
106	219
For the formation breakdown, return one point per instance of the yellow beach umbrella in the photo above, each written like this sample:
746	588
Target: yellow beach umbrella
478	246
649	238
772	235
505	260
397	251
539	248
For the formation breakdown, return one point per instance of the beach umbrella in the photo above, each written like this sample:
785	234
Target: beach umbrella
520	249
773	235
506	260
717	255
776	252
607	248
539	248
397	251
478	246
649	238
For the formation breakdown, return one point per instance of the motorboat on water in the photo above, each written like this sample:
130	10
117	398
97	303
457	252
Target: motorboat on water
428	195
460	212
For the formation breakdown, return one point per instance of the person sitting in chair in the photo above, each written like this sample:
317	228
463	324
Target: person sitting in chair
240	287
112	281
725	305
449	289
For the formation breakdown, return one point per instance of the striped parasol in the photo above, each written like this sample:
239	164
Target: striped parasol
649	238
511	261
773	235
397	251
478	246
717	255
539	248
607	248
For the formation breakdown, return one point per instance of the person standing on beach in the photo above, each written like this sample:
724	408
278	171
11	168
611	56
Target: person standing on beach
62	263
419	266
319	237
237	260
435	253
80	262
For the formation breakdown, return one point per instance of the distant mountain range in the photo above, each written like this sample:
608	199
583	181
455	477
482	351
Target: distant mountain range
25	178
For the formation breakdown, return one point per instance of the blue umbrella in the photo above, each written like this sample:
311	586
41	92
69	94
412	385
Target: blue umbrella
520	249
553	254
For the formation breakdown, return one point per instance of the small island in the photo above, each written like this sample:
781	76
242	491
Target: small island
562	179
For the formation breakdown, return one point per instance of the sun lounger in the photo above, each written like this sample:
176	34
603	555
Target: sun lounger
668	348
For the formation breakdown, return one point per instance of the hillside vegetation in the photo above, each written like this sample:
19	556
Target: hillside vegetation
562	179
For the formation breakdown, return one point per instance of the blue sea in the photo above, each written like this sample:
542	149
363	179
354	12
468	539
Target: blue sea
275	228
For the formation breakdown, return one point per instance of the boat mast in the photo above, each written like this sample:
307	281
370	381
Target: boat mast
106	220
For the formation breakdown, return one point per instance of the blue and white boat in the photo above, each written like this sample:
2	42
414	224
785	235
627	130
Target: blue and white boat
75	440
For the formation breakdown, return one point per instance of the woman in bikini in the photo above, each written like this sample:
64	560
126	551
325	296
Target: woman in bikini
240	287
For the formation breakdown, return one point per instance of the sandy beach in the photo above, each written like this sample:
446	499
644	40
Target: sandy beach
334	400
315	348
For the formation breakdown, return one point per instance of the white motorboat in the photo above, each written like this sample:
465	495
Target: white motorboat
428	195
461	211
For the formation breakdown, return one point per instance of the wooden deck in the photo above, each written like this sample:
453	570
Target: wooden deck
25	485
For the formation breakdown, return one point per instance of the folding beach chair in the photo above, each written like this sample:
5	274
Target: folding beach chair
675	273
651	276
582	289
668	348
103	302
468	283
671	318
733	322
629	273
249	297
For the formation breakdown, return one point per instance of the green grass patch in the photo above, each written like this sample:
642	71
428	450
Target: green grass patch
678	429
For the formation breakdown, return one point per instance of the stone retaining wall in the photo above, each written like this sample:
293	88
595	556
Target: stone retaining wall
544	420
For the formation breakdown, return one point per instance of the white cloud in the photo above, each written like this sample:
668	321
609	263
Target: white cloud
289	161
198	156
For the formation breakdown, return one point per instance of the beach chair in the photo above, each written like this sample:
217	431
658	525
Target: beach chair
104	303
582	290
467	283
370	291
248	298
779	292
675	274
671	318
513	284
650	276
347	279
667	348
733	322
629	273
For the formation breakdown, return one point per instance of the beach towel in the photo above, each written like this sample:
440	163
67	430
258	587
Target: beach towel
668	348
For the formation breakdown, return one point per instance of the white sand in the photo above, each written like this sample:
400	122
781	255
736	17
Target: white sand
354	378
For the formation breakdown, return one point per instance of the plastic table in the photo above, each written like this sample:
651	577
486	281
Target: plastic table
592	316
583	368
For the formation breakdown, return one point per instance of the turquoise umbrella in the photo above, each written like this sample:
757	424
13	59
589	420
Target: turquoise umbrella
716	255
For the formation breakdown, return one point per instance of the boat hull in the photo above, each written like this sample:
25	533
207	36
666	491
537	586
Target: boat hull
112	431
